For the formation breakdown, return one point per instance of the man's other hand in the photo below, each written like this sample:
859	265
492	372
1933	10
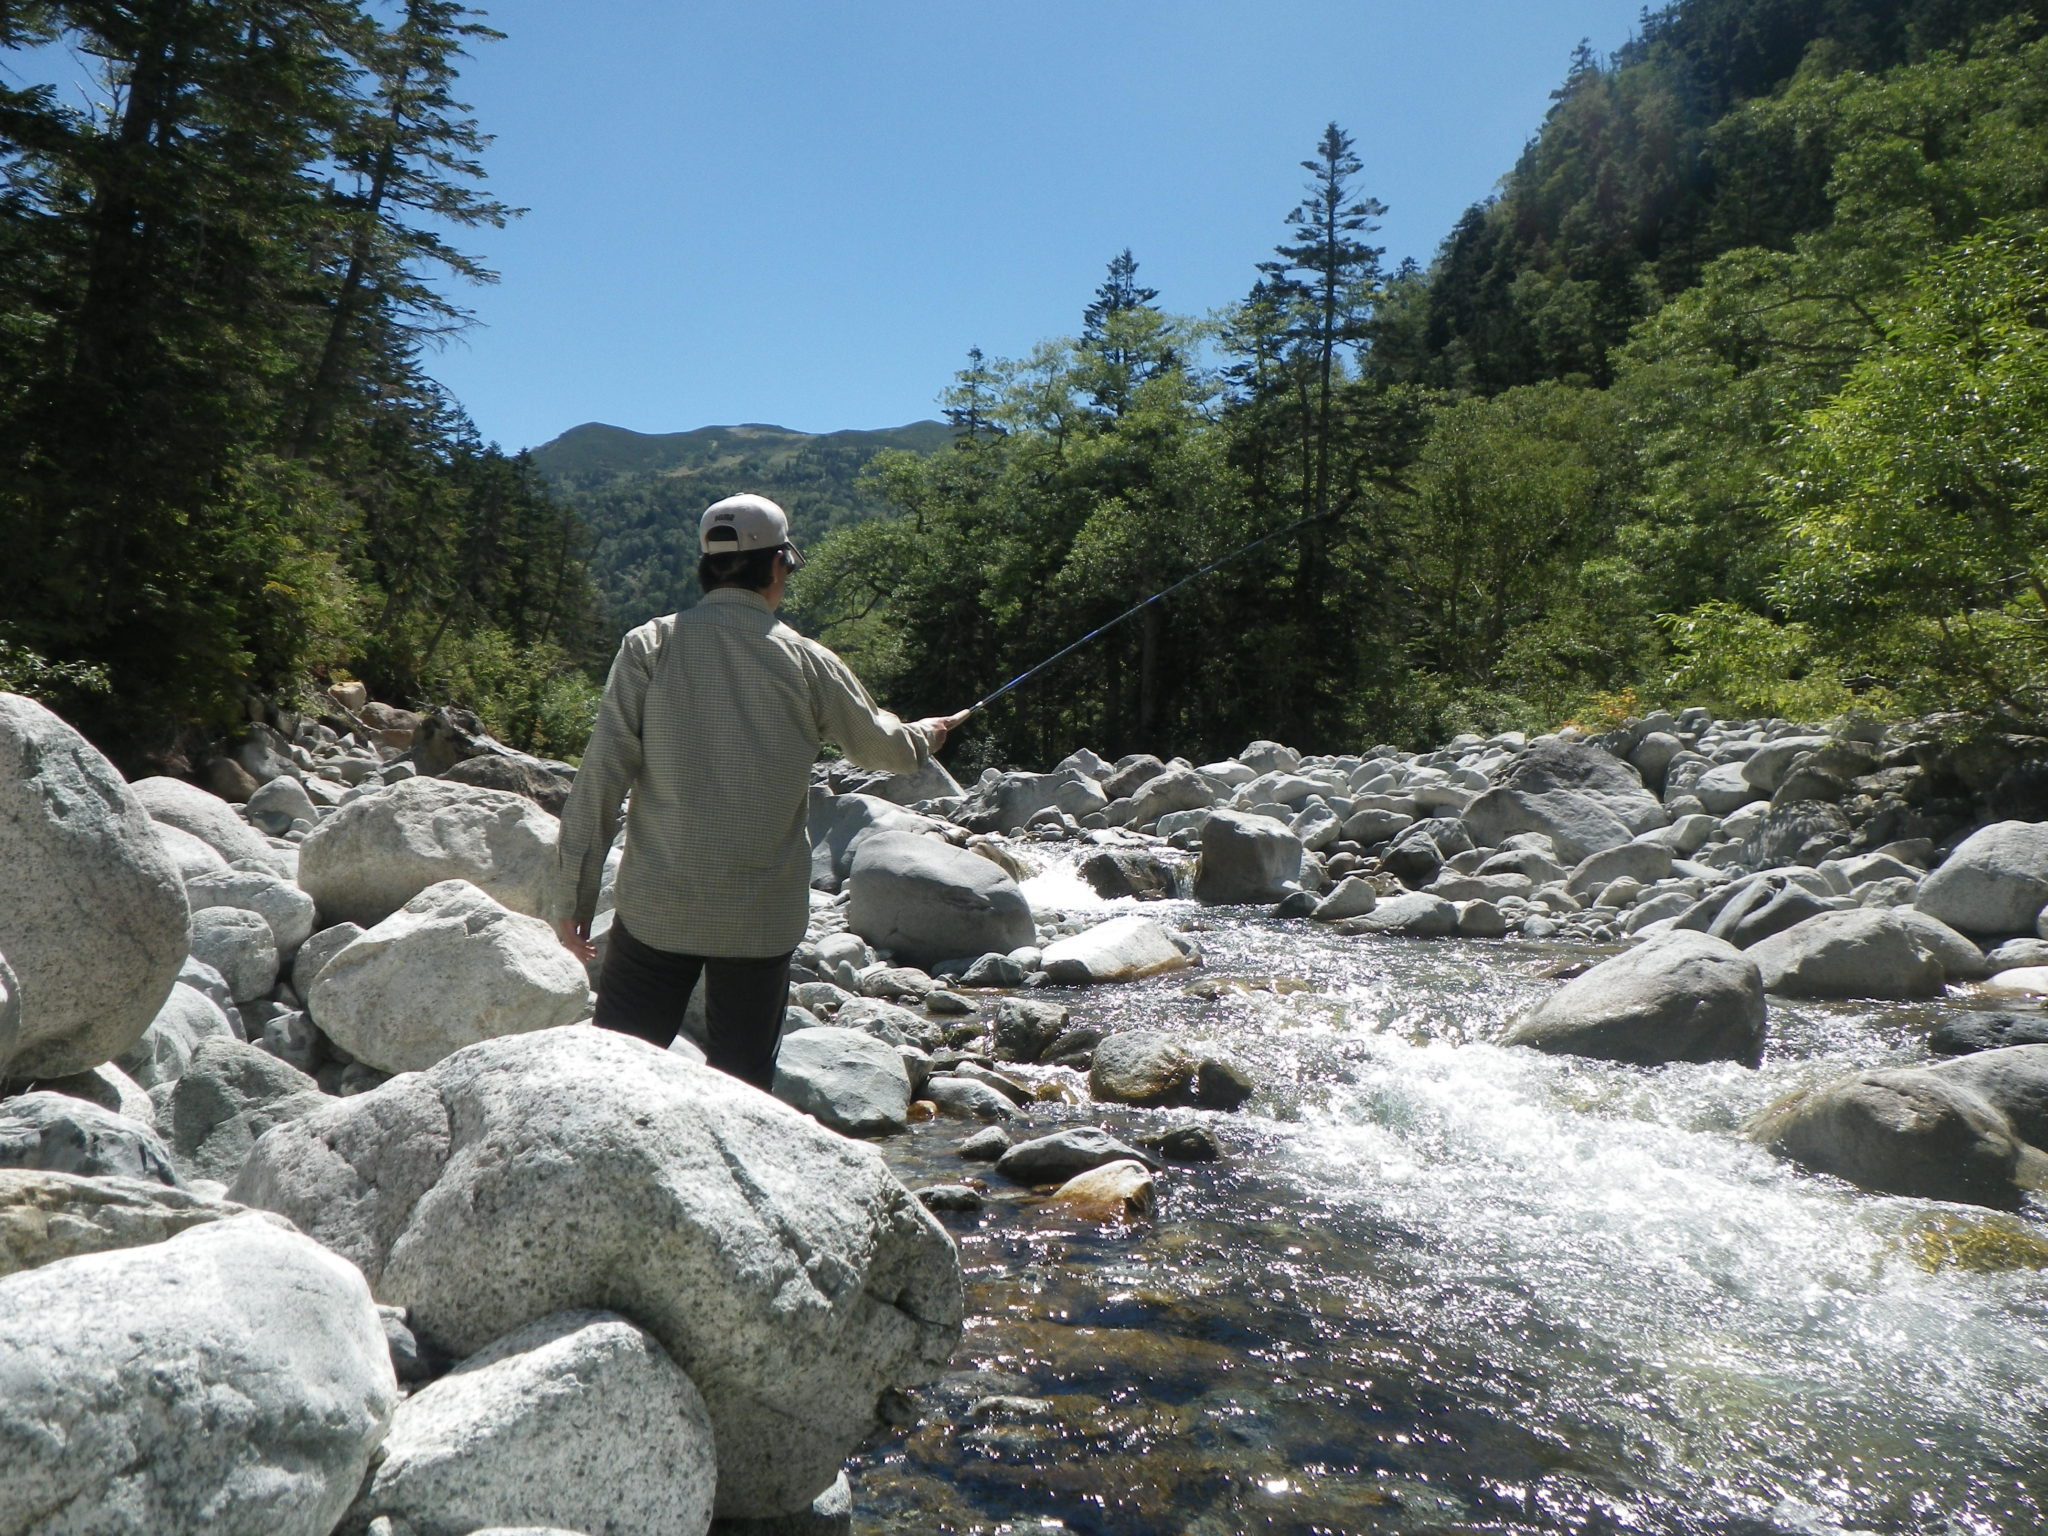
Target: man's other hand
576	939
942	726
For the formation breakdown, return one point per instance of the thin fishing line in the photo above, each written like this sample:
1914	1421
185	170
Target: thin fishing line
1024	677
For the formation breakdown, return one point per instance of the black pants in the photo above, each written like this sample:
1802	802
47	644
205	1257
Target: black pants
643	992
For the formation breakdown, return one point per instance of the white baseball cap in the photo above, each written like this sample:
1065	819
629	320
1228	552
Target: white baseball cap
742	523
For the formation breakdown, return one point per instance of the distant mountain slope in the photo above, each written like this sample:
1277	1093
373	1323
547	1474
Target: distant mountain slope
641	492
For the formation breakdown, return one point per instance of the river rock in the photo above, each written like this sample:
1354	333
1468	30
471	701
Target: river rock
1868	952
1723	789
165	1049
287	909
1645	862
1025	1028
278	802
1995	884
313	955
2014	1081
578	1420
192	857
839	823
1963	1033
233	1379
1550	765
1960	959
1903	1131
1055	1158
47	1216
1116	872
1122	949
845	1079
1354	896
449	968
1577	825
781	1265
207	817
1807	832
1246	859
925	900
1177	789
375	854
2013	954
92	910
1414	914
1753	910
1681	996
57	1133
228	1095
1119	1191
542	780
962	1098
2022	981
1142	1066
239	944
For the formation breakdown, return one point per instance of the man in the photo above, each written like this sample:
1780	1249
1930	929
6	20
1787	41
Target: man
711	721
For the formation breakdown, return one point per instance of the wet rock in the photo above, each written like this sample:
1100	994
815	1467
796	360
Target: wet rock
985	1146
845	1079
780	1264
1865	953
1480	920
47	1216
579	1420
1681	996
120	1366
1025	1027
1142	1066
1996	882
1183	1144
1221	1083
449	968
374	855
228	1096
1246	859
1125	948
961	1098
1353	897
1055	1158
1970	1032
951	1197
1415	914
92	909
993	970
924	900
1295	906
1901	1132
1119	1191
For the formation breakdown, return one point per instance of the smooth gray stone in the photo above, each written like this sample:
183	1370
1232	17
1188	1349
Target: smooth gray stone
846	1079
962	1098
1246	859
207	817
1058	1157
1960	959
1867	952
924	900
233	1379
278	803
2014	1080
782	1265
287	909
1682	996
229	1094
1969	1032
1142	1066
1415	914
92	908
1760	907
1577	824
578	1420
1994	885
239	945
1025	1026
61	1134
313	955
837	824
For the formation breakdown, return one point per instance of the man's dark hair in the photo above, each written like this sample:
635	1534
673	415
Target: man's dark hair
753	569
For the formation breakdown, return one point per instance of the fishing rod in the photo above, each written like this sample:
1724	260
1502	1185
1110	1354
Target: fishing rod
1025	677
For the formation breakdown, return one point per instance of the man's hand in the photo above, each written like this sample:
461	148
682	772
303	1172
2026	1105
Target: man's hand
576	939
941	726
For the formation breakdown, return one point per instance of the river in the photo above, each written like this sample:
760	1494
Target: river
1439	1286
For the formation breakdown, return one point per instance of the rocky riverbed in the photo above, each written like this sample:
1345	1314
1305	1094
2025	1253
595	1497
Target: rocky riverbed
1640	1132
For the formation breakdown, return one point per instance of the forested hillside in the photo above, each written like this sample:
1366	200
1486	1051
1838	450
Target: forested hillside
641	493
1733	395
225	465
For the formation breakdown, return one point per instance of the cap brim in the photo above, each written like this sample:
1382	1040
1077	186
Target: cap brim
796	555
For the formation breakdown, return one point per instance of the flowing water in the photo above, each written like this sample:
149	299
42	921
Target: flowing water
1439	1286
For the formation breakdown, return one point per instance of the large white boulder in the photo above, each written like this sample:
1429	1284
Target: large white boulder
579	1421
846	1079
92	909
207	817
234	1379
449	968
1246	859
375	854
782	1266
1125	948
1681	996
1995	883
924	900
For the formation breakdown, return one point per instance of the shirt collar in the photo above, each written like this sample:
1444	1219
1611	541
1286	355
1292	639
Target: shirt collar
741	595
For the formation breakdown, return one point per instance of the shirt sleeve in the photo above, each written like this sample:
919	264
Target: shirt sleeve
590	818
870	737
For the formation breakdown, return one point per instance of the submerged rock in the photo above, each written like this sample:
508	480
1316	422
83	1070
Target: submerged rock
1059	1156
1118	1191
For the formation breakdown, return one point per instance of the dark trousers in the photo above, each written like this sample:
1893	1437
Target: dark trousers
643	992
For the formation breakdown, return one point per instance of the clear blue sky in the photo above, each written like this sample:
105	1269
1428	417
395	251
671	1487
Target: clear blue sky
804	213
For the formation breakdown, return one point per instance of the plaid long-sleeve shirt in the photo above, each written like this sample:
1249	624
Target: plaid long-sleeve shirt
711	721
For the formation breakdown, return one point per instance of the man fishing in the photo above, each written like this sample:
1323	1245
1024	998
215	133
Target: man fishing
711	721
